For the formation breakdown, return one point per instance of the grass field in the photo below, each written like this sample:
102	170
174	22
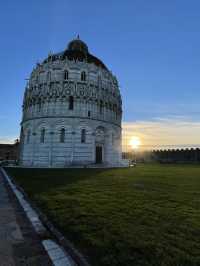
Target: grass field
148	215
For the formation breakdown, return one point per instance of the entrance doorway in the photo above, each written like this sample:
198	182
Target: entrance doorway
99	154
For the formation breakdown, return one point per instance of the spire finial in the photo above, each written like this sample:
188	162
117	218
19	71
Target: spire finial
78	37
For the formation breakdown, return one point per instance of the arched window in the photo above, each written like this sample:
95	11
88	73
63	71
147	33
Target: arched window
71	102
49	76
62	135
83	76
28	136
101	107
66	75
83	136
42	136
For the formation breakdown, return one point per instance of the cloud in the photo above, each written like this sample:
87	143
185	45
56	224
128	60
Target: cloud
7	140
174	131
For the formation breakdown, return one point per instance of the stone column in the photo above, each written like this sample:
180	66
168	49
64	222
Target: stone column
33	148
50	148
72	147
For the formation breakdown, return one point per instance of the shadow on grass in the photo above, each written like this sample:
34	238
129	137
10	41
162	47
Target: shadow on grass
146	216
45	179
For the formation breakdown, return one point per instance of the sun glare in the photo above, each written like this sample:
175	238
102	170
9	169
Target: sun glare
135	142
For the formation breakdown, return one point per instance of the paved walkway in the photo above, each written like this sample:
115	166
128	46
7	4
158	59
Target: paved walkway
19	243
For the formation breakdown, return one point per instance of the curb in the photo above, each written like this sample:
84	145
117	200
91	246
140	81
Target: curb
78	258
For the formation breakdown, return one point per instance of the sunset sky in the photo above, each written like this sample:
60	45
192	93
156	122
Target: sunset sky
153	47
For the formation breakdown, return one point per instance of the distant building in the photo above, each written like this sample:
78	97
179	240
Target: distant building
72	112
9	151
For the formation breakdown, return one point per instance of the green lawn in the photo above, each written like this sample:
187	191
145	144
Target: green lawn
148	215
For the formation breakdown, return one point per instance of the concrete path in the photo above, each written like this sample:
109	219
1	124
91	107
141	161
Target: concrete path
19	243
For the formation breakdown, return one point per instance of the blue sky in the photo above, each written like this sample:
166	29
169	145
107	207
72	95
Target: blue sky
152	46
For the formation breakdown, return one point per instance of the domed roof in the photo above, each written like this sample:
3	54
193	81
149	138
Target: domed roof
78	50
78	45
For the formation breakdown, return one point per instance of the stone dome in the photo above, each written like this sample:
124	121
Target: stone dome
77	50
72	111
78	45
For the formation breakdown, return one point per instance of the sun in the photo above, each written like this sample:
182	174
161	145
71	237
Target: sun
135	142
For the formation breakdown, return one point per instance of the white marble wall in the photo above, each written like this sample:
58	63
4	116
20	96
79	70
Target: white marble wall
46	106
72	151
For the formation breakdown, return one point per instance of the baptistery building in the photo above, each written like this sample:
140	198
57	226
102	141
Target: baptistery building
72	112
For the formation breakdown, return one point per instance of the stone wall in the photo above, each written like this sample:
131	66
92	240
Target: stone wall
72	151
177	156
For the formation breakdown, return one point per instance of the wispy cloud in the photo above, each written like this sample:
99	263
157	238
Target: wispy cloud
163	132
